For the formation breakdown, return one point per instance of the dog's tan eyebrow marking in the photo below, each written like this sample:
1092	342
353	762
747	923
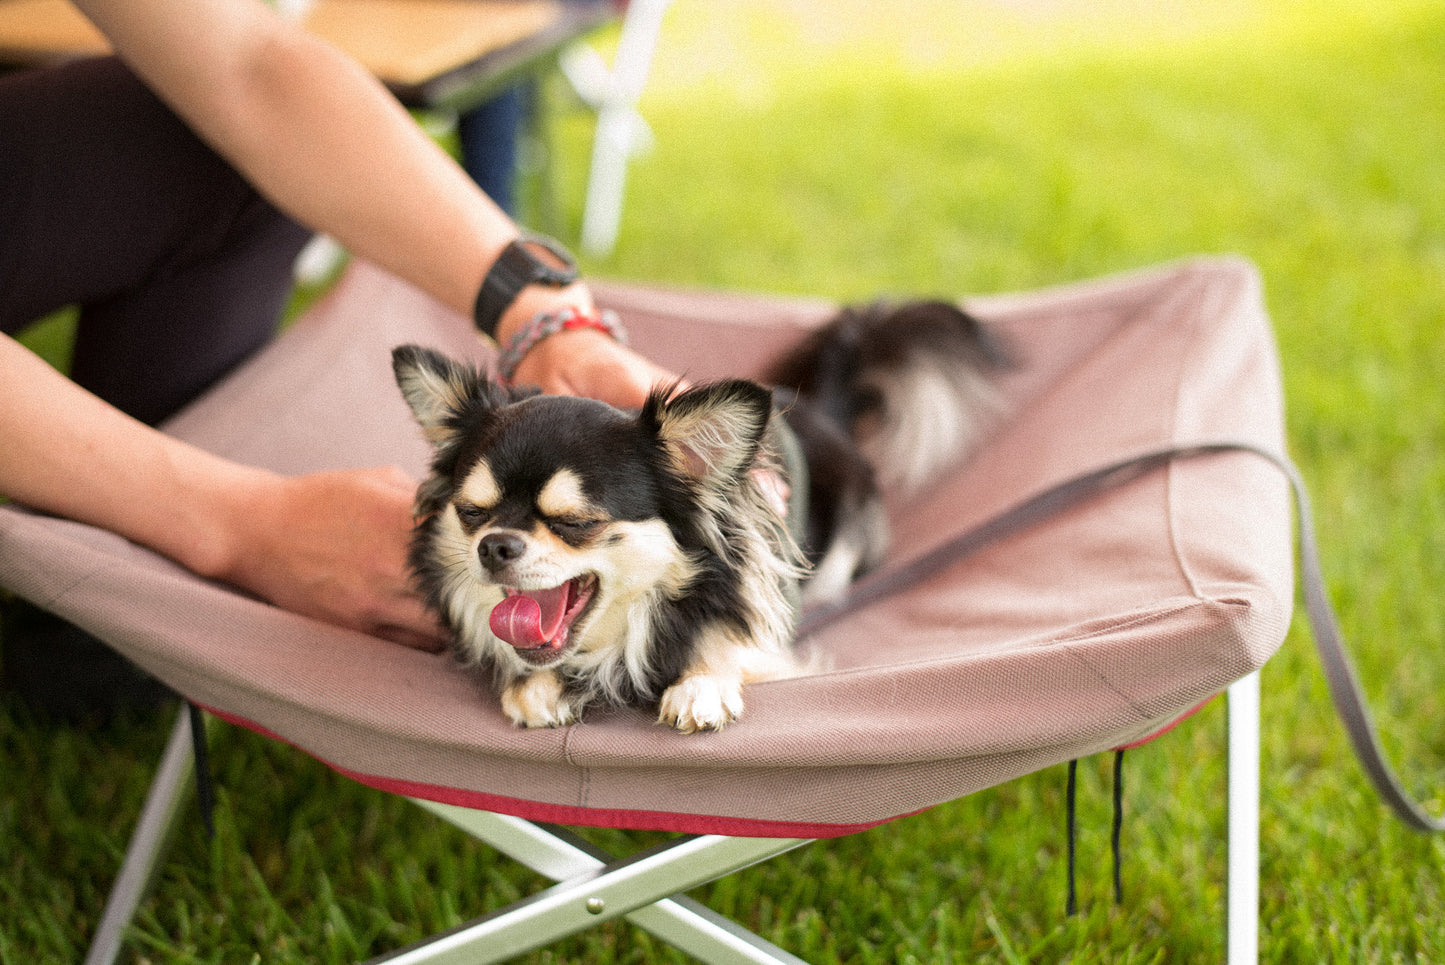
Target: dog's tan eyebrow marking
480	487
563	497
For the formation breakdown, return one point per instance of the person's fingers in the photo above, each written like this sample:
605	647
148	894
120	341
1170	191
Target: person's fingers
334	546
588	363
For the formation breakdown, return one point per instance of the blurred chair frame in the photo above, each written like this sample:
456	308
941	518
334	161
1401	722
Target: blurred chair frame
646	888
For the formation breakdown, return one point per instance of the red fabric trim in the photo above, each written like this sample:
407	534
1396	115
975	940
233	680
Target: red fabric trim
565	814
635	820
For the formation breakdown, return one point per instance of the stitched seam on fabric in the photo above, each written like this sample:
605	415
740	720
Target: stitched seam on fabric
69	588
1133	307
1106	681
1139	621
1211	295
584	773
66	590
1176	548
1233	605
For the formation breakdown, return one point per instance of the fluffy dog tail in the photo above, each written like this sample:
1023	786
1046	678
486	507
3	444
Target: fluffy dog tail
912	384
883	397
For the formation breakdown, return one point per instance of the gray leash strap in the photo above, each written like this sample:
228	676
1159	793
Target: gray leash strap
1340	673
1344	684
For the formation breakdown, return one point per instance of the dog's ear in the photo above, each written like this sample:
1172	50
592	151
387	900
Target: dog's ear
448	399
710	433
433	385
437	389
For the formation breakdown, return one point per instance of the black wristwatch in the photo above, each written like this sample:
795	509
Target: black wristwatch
529	260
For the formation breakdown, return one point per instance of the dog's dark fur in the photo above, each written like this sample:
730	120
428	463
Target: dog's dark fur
661	569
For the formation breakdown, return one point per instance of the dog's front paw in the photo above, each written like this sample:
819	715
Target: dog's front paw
539	700
701	702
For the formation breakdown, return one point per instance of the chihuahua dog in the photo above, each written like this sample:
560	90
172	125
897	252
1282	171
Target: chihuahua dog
581	554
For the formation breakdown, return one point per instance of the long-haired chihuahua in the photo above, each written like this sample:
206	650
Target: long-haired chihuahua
582	554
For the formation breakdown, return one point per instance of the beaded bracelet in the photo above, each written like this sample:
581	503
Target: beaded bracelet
544	324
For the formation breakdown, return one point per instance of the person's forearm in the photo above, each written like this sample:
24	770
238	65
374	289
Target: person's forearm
316	134
328	145
327	545
70	454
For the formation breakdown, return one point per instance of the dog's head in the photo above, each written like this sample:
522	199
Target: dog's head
553	525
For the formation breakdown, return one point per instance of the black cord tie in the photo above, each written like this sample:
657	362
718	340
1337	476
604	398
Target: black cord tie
1118	825
1071	828
1071	906
205	783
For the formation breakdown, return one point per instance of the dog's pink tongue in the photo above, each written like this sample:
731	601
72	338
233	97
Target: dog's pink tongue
529	620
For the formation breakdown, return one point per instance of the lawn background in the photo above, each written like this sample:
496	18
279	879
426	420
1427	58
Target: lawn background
850	149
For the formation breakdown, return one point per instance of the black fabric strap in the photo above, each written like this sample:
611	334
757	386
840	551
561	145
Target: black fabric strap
1344	685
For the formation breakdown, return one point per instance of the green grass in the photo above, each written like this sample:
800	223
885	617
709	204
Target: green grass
955	147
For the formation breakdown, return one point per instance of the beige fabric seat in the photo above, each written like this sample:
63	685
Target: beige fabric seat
1090	630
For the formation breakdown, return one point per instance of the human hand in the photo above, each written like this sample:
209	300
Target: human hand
333	546
580	361
589	363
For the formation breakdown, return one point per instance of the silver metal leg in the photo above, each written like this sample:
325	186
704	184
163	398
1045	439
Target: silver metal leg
645	888
558	854
158	820
592	891
1244	761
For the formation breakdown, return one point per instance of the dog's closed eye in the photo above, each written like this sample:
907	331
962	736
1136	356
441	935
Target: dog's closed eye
575	530
472	517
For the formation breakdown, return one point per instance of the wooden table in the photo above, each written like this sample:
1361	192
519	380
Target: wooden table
430	53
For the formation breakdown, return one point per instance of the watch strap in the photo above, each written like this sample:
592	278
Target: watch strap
516	268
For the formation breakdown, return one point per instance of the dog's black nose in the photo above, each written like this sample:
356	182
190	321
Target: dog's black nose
499	549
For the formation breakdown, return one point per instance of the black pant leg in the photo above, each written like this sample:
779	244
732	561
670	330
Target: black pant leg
110	202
